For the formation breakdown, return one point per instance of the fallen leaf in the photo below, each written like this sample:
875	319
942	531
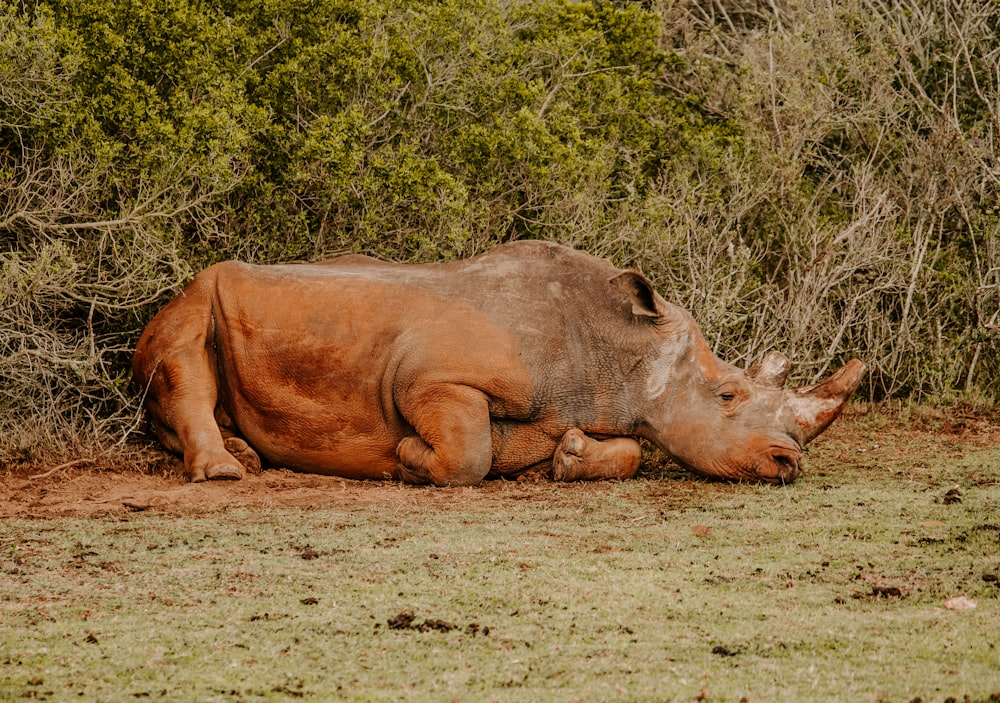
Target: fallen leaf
701	530
960	603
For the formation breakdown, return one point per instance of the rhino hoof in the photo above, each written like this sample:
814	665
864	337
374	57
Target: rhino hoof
224	472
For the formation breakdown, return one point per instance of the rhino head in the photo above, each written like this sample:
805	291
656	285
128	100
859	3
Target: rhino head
718	420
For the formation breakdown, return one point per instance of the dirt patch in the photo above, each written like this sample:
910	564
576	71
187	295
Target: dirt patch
92	491
406	620
80	492
154	480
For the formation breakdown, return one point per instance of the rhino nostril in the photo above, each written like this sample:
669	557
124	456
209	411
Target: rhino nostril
782	468
788	467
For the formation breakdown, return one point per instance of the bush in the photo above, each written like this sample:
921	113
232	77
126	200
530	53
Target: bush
869	204
812	177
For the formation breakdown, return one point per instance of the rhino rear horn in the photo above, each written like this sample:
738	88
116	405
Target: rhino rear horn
771	371
815	407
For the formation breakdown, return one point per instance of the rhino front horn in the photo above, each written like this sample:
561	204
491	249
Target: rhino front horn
815	407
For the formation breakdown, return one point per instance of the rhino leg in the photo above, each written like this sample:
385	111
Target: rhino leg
237	448
205	457
173	363
582	458
453	444
207	454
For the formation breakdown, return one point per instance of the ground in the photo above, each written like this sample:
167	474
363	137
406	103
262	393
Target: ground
875	577
152	479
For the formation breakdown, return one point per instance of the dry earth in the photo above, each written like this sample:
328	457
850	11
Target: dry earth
153	480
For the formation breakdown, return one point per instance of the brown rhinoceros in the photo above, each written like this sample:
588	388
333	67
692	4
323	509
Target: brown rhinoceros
450	373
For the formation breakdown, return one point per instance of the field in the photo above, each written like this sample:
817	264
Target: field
872	578
811	176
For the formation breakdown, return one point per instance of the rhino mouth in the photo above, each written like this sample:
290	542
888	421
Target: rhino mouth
779	465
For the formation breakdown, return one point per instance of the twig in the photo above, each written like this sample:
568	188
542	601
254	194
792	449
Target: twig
140	412
774	101
68	464
267	53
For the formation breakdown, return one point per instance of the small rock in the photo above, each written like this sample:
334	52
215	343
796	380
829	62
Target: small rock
960	604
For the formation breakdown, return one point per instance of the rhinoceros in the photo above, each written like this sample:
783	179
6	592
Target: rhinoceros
530	355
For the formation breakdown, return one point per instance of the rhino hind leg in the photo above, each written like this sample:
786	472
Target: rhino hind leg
237	448
238	460
174	364
208	462
582	458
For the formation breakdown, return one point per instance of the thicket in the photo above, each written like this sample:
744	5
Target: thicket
819	177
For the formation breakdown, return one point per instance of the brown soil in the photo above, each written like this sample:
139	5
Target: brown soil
152	480
157	483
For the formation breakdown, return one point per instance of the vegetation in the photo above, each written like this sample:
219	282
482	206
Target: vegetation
855	585
816	176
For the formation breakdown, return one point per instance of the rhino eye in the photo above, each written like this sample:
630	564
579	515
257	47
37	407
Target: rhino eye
730	396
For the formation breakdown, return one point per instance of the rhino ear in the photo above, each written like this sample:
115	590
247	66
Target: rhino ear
640	292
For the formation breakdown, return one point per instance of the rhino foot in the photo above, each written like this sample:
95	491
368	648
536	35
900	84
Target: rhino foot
568	459
223	472
244	454
226	469
582	458
230	465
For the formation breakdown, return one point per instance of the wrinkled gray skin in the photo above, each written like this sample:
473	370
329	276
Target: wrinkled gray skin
530	354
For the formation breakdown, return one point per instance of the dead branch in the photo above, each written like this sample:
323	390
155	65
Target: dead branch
68	464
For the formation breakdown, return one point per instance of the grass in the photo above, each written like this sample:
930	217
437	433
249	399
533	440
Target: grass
660	589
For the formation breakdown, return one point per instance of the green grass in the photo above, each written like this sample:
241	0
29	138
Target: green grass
659	589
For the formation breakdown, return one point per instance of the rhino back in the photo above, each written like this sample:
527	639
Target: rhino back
576	335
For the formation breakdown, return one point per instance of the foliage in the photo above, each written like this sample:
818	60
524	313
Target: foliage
816	177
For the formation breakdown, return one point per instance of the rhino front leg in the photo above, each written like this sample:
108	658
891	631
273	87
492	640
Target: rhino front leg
453	444
582	458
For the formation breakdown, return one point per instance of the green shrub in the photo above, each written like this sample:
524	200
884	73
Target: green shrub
812	177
